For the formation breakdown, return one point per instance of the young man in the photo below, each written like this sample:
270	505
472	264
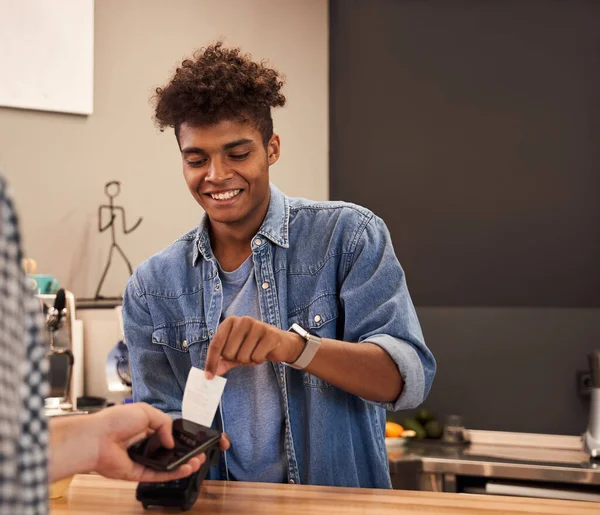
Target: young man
298	408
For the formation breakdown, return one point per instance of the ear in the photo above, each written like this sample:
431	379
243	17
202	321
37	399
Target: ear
273	149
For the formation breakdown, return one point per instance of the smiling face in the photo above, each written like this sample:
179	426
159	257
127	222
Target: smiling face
226	167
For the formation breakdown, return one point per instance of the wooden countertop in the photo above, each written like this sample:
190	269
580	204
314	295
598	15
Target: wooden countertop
95	495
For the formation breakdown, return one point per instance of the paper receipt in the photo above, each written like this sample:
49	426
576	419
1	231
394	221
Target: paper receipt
201	397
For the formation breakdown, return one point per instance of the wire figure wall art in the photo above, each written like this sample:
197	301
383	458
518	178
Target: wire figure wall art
112	190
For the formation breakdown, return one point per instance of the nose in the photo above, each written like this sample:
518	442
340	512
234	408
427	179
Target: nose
217	171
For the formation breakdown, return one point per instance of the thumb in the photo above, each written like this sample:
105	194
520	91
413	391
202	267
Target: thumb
225	366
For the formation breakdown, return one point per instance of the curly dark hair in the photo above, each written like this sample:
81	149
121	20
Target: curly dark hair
220	84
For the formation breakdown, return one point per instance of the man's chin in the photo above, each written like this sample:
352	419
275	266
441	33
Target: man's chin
224	215
220	218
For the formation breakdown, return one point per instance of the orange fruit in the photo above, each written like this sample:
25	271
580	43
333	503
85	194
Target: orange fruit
393	430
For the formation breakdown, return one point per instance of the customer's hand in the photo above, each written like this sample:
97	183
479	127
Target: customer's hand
114	429
247	341
99	443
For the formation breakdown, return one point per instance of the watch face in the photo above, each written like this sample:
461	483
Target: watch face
297	329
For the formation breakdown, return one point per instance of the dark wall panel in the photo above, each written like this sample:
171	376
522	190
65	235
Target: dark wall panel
511	369
473	130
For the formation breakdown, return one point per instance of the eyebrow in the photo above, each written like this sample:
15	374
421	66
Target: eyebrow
227	146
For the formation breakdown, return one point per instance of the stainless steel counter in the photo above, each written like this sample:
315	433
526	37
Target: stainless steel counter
481	461
436	466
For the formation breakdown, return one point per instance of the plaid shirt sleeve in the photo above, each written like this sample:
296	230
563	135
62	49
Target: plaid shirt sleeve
23	380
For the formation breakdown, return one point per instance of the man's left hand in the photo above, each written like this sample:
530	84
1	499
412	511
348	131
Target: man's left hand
247	341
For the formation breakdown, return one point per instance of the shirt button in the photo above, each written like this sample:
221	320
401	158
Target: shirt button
211	332
184	344
217	286
257	242
292	482
317	318
265	285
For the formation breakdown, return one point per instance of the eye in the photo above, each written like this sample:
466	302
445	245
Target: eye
196	164
239	157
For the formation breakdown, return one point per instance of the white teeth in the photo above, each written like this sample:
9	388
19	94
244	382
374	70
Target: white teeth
225	195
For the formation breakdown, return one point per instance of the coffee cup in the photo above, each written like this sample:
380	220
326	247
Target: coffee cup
43	283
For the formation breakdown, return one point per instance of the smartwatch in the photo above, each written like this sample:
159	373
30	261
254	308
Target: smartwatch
310	349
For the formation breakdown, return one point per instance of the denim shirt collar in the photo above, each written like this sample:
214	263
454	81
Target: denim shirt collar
275	226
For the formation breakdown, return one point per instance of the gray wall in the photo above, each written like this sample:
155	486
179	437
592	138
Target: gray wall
58	164
511	369
472	129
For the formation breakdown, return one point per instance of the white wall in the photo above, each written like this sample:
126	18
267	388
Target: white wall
58	164
47	55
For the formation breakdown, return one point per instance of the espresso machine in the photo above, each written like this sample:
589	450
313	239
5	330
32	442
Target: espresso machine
64	335
591	438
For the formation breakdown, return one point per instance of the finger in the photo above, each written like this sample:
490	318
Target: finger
161	423
261	351
216	348
140	436
244	354
224	442
237	334
193	465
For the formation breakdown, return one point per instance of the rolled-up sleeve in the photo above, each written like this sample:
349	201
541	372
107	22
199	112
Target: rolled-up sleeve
378	309
410	367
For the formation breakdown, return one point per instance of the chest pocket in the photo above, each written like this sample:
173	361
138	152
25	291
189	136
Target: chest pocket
319	318
187	339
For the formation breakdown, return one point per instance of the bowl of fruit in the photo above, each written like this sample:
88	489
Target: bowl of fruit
422	426
396	435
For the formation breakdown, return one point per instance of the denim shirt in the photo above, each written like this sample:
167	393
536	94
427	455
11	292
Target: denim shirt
331	268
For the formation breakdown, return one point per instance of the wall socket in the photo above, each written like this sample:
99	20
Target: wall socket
584	383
